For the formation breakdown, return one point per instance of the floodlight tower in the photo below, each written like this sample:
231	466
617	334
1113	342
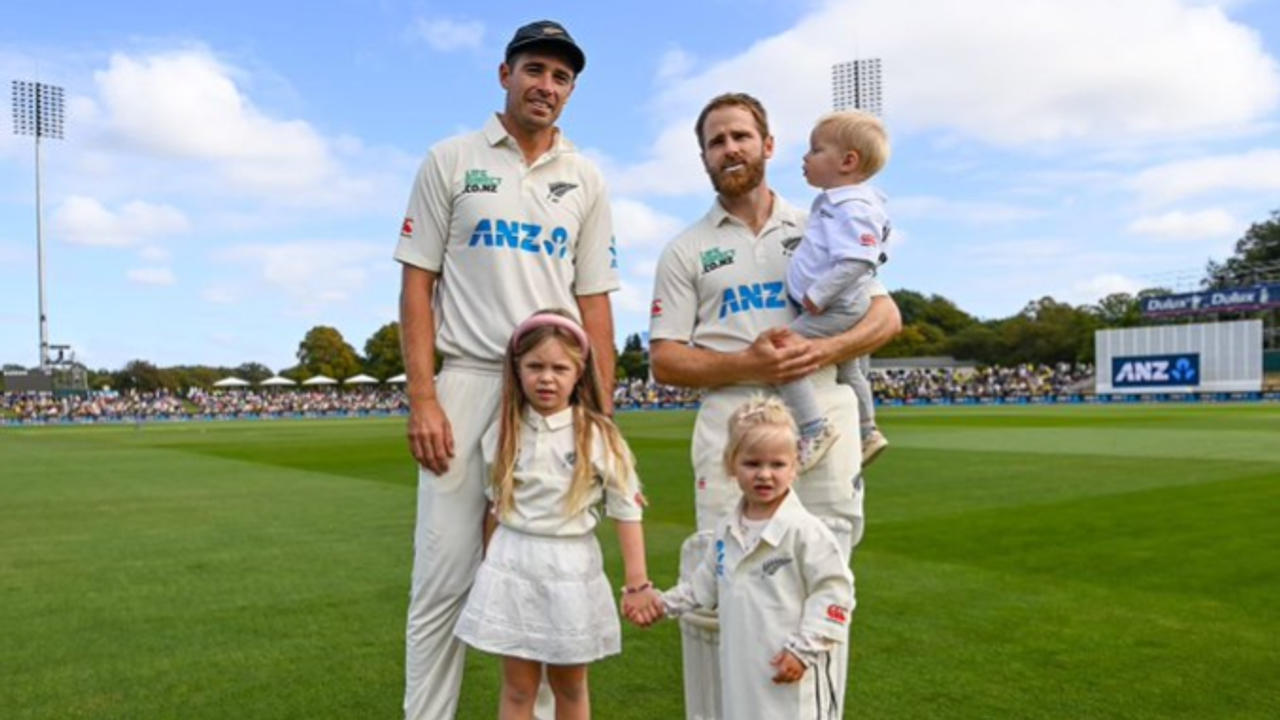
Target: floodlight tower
37	111
855	85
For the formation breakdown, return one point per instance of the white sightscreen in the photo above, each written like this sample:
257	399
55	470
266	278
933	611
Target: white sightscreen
1230	354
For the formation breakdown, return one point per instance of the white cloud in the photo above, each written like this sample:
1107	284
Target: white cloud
1212	223
640	226
219	295
1100	286
311	274
975	212
1006	73
85	221
633	297
1253	171
154	254
448	35
186	107
673	64
151	276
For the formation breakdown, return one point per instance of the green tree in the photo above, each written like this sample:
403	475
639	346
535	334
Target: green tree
382	352
1256	256
1118	310
633	362
253	372
979	342
324	352
143	376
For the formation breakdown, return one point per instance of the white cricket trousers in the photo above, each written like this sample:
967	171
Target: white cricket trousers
447	543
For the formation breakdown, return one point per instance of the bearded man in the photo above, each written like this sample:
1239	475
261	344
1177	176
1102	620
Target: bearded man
719	321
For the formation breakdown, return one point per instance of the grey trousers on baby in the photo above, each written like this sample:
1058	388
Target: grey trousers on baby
798	394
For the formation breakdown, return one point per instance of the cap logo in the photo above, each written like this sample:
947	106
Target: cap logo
552	31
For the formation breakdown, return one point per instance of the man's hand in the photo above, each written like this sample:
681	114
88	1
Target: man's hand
789	667
779	356
810	307
430	435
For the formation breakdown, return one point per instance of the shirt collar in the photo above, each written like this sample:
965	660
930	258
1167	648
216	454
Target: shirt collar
849	192
538	421
718	216
495	133
783	518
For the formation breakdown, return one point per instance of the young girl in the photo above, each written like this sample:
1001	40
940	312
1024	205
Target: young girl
783	589
540	598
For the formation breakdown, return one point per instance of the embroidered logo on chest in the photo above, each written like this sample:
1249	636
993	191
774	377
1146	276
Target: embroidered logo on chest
774	564
557	190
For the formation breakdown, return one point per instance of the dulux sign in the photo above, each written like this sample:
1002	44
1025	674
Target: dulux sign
1244	299
1156	370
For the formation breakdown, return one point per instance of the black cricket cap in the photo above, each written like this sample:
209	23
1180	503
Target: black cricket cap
549	34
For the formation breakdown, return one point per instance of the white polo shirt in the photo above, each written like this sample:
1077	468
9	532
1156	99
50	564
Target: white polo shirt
544	472
718	286
506	238
790	586
845	223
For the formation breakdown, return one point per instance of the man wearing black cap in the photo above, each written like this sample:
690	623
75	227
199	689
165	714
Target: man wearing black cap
501	222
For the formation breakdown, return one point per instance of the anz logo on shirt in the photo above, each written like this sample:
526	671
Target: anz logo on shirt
756	296
516	235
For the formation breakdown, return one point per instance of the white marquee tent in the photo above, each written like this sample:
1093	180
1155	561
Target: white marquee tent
319	380
231	382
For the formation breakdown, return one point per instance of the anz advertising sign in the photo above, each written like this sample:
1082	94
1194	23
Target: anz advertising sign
1181	370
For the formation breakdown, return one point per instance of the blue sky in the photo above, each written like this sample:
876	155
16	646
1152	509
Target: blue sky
235	173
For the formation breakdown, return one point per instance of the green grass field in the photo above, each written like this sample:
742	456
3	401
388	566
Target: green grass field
1061	562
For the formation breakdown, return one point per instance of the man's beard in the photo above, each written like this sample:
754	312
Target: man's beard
741	182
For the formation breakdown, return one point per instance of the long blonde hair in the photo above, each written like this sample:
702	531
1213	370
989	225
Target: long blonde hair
587	401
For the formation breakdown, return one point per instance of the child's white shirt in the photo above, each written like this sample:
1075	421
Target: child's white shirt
790	588
544	473
846	223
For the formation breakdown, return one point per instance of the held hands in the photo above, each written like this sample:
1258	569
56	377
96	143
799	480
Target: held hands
779	356
642	608
430	435
789	667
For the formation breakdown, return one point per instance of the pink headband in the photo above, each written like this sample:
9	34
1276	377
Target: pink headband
538	320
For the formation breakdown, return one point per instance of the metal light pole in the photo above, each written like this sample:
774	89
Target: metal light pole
37	111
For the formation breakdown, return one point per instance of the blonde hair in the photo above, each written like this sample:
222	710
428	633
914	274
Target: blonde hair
860	132
587	401
754	420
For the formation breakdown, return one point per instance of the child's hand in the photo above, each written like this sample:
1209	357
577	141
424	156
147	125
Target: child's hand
643	608
789	667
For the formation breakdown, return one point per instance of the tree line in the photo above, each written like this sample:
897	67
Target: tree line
1045	331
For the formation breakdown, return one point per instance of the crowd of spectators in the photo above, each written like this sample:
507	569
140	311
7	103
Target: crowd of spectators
197	403
1019	381
638	393
954	384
